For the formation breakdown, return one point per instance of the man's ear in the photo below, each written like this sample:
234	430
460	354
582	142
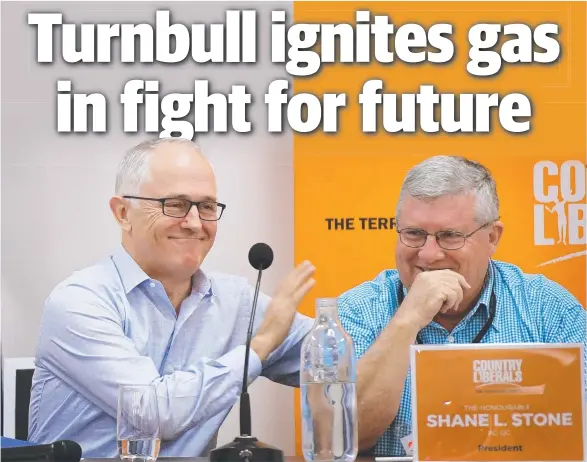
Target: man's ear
120	209
495	235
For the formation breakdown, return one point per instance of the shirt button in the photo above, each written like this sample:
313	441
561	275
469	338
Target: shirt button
451	339
152	284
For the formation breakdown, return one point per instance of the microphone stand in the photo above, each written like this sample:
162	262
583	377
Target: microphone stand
245	402
246	447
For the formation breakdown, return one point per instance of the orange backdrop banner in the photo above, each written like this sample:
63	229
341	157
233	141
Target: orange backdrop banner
492	403
347	183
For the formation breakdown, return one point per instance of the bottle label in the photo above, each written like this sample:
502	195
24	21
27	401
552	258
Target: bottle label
407	444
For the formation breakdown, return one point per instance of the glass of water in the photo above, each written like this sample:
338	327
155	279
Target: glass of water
138	423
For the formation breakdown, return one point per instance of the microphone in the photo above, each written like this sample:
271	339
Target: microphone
59	451
246	447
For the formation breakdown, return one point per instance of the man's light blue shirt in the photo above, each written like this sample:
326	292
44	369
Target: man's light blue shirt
110	325
529	309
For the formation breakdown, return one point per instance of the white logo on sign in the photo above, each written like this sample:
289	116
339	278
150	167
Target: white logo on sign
497	371
559	209
560	191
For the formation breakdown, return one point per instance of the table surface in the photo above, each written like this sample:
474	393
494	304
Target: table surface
205	459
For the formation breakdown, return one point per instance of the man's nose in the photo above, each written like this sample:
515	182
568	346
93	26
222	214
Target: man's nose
192	219
431	251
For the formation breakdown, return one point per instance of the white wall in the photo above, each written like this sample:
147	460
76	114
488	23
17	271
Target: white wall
55	188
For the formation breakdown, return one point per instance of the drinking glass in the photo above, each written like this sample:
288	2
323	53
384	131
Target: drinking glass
137	423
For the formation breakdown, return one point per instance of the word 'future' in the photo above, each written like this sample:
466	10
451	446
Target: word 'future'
304	49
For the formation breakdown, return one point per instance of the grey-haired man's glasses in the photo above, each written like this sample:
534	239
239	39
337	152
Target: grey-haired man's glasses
448	239
179	208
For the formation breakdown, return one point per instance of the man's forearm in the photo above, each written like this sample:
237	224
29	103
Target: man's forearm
381	375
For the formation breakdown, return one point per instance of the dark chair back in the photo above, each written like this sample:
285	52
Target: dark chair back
17	379
24	382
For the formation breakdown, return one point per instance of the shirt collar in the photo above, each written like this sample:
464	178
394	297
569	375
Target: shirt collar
201	283
132	275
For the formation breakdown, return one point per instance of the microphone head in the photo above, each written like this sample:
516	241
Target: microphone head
260	256
67	451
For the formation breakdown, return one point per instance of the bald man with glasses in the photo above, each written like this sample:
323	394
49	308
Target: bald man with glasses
447	288
149	314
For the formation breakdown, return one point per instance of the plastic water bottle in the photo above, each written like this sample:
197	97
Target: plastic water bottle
328	389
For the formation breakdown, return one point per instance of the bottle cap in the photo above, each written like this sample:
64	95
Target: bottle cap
328	302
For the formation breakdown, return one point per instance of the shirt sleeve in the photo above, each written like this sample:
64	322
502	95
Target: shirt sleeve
83	343
565	318
352	308
283	364
366	309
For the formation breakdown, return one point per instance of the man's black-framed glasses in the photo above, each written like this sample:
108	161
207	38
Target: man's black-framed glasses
179	208
446	239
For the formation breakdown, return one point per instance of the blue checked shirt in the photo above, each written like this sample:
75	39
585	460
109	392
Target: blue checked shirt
110	324
530	308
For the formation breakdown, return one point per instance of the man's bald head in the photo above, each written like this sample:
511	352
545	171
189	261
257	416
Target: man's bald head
139	162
